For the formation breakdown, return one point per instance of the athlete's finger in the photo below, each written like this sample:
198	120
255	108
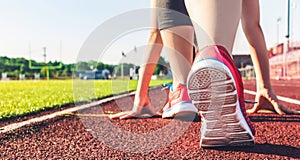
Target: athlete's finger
289	111
128	115
118	115
254	109
277	107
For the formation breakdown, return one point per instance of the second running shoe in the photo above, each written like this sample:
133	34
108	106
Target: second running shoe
179	103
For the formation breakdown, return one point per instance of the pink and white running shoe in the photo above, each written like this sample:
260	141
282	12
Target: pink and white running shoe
179	104
215	87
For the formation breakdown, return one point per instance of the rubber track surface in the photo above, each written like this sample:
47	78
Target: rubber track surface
277	137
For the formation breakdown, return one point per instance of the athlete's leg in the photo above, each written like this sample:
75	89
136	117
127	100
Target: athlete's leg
218	19
179	43
265	97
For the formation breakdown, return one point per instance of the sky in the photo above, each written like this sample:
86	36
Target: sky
62	26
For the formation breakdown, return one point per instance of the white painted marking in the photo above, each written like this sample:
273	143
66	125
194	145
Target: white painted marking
14	126
285	85
286	99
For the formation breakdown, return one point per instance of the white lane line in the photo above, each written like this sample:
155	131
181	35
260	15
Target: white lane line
285	85
289	100
14	126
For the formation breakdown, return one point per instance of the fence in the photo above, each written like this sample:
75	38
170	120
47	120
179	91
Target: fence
247	72
285	66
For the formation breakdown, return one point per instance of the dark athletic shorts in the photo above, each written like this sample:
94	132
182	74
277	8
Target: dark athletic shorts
173	13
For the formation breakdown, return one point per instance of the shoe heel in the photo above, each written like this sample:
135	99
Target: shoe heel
212	89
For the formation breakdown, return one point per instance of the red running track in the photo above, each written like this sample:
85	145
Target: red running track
72	137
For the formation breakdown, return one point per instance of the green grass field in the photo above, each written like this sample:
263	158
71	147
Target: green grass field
23	97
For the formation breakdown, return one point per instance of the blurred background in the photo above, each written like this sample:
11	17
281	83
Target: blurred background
41	40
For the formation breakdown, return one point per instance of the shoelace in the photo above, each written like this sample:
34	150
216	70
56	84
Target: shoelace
167	86
250	102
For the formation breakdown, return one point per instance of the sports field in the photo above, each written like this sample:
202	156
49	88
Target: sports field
89	135
25	97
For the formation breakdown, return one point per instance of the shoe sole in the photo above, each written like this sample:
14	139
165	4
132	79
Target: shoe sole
212	90
181	110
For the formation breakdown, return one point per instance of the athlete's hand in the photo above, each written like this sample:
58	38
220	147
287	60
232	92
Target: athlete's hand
141	106
266	99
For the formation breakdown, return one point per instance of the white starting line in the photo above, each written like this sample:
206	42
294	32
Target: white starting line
85	106
55	114
289	100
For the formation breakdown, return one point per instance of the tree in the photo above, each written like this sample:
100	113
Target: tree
81	66
162	66
14	66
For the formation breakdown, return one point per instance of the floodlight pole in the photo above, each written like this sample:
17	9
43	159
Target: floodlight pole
46	66
278	23
287	45
45	63
122	66
288	18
